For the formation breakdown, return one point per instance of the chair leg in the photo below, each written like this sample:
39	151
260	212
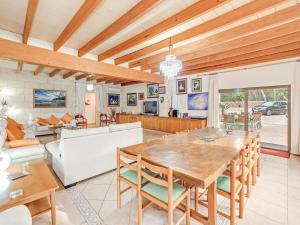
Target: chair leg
140	208
241	202
248	184
232	209
188	205
254	172
196	197
170	216
258	166
118	193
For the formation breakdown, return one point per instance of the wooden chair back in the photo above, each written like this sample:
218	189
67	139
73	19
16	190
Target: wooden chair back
123	161
162	171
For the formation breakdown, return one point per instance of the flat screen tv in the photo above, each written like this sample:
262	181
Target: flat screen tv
151	107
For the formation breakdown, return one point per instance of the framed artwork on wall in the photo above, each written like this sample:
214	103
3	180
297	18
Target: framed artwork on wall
162	90
131	99
152	90
113	100
141	96
198	101
181	86
197	85
43	98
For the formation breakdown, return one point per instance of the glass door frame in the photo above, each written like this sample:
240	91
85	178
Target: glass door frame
246	108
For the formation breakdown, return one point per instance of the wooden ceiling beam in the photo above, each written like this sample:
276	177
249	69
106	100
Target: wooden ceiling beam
91	78
198	8
31	10
265	35
78	19
35	55
82	76
130	83
38	70
69	74
54	72
220	21
268	58
103	79
278	18
136	12
251	55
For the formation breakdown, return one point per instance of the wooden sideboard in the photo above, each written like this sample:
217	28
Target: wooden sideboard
166	124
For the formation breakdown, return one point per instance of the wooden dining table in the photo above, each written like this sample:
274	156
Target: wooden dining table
195	160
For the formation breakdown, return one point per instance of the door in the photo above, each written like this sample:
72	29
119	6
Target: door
263	109
90	108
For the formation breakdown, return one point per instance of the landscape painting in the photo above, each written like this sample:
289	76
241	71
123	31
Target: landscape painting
131	99
49	98
152	91
198	101
113	100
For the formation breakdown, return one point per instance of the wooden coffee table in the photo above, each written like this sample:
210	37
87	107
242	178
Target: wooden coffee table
38	190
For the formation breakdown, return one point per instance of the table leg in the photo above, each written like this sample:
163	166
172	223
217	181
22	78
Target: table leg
53	212
212	204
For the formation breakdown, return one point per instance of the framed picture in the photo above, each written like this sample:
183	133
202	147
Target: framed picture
162	90
152	90
181	86
141	96
197	85
43	98
131	99
198	101
113	100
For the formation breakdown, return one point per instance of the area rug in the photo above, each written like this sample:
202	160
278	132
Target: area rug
274	152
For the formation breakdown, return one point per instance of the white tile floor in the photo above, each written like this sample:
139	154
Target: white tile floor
275	200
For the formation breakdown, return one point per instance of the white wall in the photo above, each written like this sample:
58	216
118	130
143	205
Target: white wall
18	91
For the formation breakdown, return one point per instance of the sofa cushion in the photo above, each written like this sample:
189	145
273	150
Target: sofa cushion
11	122
124	126
66	133
42	121
67	118
16	215
22	143
53	120
14	133
53	148
26	151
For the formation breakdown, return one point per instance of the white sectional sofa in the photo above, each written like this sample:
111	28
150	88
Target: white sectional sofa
84	153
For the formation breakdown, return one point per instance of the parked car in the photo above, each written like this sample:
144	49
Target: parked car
270	108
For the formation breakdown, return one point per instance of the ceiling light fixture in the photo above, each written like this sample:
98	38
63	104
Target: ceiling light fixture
90	85
171	66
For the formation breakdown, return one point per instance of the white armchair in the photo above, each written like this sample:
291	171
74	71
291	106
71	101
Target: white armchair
18	215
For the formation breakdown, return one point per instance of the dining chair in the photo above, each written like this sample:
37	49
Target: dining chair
255	158
164	193
129	176
104	119
232	188
81	121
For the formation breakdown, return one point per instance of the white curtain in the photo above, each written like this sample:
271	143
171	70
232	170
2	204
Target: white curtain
80	97
295	112
99	98
213	101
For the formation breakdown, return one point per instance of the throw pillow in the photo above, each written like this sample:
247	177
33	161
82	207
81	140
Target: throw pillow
52	120
22	143
12	122
67	118
14	133
41	121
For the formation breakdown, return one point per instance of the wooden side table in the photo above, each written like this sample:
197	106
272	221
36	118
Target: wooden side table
38	190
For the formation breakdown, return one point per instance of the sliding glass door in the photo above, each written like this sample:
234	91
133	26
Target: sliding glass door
264	109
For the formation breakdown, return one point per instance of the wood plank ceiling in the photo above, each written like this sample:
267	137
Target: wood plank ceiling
207	35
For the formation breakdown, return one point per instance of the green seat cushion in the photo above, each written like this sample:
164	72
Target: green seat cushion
132	176
161	192
223	183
